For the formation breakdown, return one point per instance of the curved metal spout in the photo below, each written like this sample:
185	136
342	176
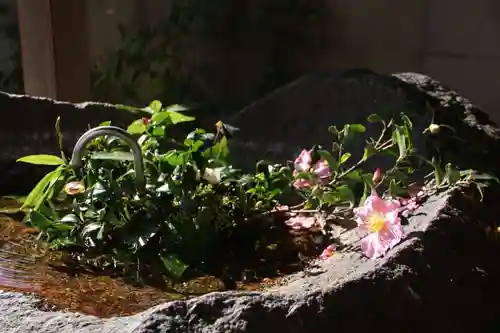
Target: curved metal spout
81	144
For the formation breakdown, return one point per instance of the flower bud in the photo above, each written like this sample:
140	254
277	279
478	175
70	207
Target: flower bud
434	128
377	176
146	121
74	188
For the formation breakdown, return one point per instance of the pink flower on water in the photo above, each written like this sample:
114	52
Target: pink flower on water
303	164
328	252
381	218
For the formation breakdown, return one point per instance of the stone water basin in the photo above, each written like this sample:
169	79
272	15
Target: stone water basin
27	268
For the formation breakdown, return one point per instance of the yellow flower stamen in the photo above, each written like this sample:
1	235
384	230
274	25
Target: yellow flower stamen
376	222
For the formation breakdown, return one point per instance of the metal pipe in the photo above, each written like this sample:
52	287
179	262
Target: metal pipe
81	144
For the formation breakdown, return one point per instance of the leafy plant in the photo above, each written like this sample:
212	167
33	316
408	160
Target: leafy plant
192	202
197	212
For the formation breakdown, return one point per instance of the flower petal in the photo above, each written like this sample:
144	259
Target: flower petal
372	247
303	161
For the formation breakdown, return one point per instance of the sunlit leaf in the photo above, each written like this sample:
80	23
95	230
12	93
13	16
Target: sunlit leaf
400	140
42	159
177	117
175	158
357	128
137	127
177	108
345	157
174	265
114	156
91	227
369	151
70	219
155	106
105	123
38	194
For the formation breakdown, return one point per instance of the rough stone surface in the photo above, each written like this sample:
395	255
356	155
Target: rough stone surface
443	277
297	116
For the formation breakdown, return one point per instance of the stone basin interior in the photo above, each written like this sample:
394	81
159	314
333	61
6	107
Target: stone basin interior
28	266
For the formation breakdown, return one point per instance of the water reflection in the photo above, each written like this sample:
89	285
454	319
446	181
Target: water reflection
27	268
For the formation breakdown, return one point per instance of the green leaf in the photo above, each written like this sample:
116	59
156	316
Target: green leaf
174	265
137	127
357	128
70	219
176	108
91	227
400	140
38	220
98	189
345	157
369	151
39	192
177	117
132	109
438	171
105	123
155	106
42	159
332	162
338	195
159	131
176	158
161	118
113	156
395	190
374	118
219	151
452	175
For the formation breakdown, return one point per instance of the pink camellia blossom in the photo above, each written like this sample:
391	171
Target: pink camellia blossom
381	218
328	252
302	163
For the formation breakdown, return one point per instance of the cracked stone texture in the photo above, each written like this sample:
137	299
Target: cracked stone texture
443	277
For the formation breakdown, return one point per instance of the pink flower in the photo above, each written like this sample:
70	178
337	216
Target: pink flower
303	161
322	170
303	164
417	195
328	252
301	222
74	188
381	218
146	121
